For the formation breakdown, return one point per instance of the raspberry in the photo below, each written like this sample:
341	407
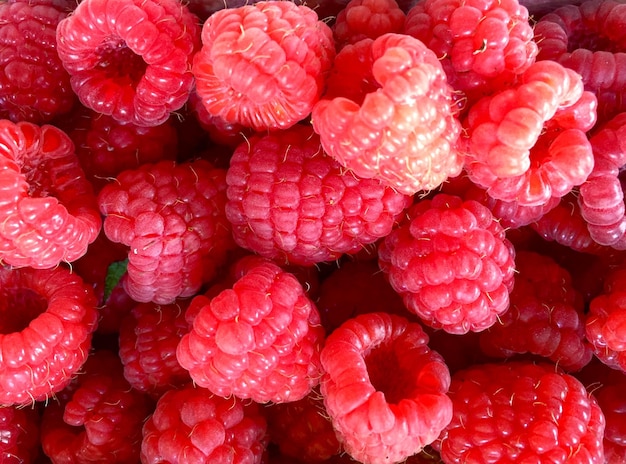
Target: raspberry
172	218
401	128
259	339
191	424
528	143
49	212
130	59
263	65
99	417
521	412
34	86
20	435
290	202
451	263
384	389
545	316
48	319
148	338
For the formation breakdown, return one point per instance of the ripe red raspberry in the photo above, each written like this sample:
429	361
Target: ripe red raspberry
480	43
451	263
130	59
34	86
399	127
259	339
47	323
193	425
20	435
98	418
528	143
290	202
172	218
263	65
48	209
521	412
545	316
148	338
384	389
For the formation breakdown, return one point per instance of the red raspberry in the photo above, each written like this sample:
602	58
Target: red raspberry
528	143
191	425
451	263
49	212
98	418
400	129
521	412
48	319
148	339
130	59
480	42
172	218
259	339
545	316
263	65
384	389
20	435
34	86
290	202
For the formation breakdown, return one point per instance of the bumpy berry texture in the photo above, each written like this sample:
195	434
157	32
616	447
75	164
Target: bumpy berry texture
48	320
383	388
545	316
259	339
34	86
481	44
171	216
400	128
263	65
130	59
98	418
528	143
48	209
191	424
290	202
451	263
521	412
20	435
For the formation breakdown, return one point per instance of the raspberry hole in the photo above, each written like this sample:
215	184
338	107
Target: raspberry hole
119	62
387	374
23	304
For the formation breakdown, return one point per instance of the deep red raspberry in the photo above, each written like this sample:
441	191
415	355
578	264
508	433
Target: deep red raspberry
521	412
130	59
34	86
451	263
48	317
400	128
20	435
98	418
545	316
172	218
191	425
383	388
48	209
528	143
148	339
263	65
290	202
259	339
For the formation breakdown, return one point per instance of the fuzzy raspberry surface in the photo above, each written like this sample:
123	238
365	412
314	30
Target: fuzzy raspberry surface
20	435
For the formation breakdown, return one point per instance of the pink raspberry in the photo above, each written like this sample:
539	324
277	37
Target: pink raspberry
258	339
290	202
48	208
171	216
20	435
395	123
48	320
263	65
451	263
547	415
34	86
130	59
193	425
383	388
